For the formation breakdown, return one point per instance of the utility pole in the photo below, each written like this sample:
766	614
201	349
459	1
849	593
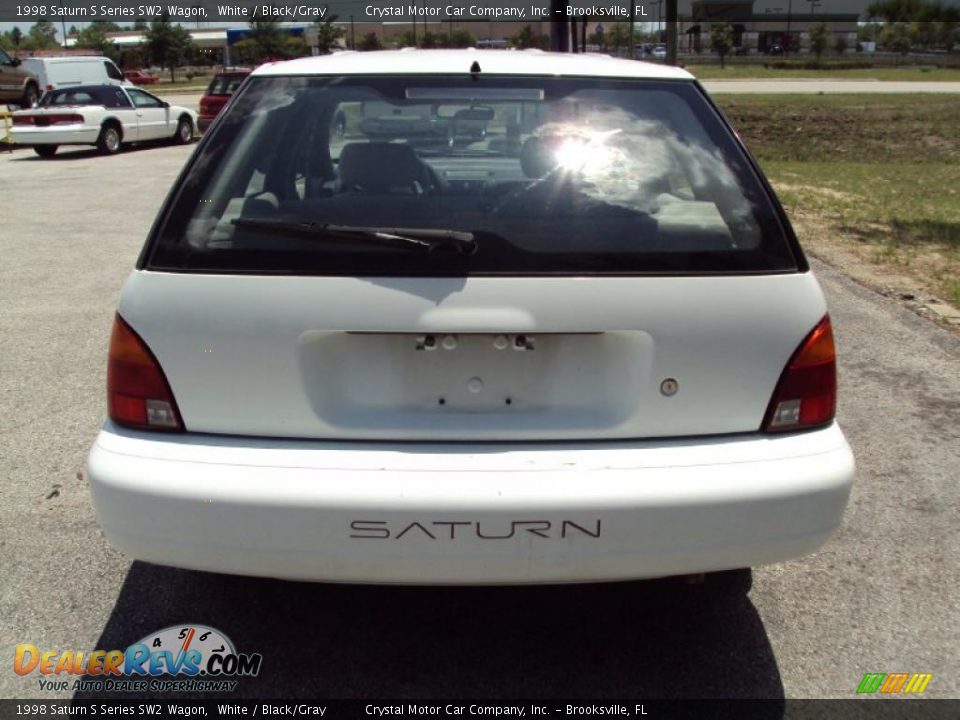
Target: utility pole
671	32
559	29
786	40
630	42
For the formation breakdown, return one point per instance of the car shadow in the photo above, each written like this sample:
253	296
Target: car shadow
67	153
645	639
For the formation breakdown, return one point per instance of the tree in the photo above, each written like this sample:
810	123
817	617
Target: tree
140	25
370	41
267	40
896	38
167	44
462	38
16	36
903	10
947	34
94	37
721	40
619	37
41	36
525	38
840	44
819	38
328	34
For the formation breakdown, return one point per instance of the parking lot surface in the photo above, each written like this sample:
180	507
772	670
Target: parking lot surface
881	597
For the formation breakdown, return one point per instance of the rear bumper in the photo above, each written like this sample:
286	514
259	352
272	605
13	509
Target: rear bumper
468	514
56	136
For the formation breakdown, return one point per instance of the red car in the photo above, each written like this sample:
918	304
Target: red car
223	85
139	77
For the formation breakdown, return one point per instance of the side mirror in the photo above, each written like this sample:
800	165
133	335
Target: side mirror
164	104
15	61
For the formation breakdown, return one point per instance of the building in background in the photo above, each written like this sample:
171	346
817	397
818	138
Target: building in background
759	32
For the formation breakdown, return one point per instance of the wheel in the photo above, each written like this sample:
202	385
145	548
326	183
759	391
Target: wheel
45	151
30	97
184	134
109	141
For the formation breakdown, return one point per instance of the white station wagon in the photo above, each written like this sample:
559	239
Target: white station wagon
572	339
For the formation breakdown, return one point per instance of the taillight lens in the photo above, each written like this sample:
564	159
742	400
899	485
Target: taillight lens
806	395
48	119
138	394
64	119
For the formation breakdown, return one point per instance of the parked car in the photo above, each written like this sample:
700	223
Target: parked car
107	116
17	85
57	72
140	77
218	93
601	357
430	124
775	50
660	52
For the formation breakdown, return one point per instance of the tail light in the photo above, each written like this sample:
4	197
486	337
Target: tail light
49	88
65	119
48	119
138	394
806	395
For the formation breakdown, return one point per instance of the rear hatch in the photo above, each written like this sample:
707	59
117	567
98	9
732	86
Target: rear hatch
620	271
218	93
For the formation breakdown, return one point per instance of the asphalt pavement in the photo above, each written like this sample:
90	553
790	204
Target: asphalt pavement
880	597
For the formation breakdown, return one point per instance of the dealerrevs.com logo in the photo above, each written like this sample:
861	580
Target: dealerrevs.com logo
186	658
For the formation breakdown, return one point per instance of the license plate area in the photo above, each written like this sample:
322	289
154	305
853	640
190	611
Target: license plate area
455	383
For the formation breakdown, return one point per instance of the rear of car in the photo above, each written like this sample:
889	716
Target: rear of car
71	116
582	346
140	77
218	94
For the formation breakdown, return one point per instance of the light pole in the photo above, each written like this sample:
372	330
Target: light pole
63	26
786	41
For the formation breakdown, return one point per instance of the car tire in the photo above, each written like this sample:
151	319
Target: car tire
30	96
184	134
110	140
45	151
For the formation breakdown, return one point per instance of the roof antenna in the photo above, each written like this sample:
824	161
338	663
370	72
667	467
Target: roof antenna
475	70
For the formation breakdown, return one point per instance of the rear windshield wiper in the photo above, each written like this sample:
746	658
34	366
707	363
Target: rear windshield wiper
423	238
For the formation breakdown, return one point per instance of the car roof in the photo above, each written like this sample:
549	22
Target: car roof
72	59
89	86
494	62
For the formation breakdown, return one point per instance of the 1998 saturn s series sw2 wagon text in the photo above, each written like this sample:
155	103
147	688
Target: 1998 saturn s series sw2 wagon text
578	342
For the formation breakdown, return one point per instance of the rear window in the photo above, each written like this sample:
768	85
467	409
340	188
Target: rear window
441	176
110	97
225	84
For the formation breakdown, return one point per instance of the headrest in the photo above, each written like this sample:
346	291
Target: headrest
380	166
536	158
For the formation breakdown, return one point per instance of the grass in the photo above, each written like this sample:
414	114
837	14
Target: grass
746	72
874	179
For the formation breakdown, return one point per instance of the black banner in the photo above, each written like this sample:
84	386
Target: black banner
372	11
868	709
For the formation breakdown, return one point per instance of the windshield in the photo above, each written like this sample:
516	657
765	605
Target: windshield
547	175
